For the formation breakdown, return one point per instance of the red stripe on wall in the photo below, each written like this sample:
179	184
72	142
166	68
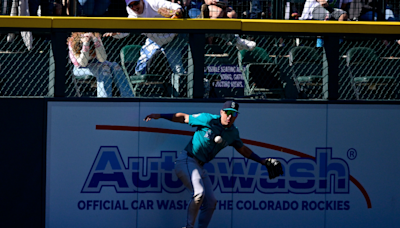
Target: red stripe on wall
246	141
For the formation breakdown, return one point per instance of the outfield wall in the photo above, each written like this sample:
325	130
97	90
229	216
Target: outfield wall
107	168
22	163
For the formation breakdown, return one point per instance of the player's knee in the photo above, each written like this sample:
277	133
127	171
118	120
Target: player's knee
198	198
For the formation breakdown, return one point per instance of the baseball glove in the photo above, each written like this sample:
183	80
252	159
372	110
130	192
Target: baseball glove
274	168
169	13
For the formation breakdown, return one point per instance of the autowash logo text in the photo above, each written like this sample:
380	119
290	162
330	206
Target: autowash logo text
324	174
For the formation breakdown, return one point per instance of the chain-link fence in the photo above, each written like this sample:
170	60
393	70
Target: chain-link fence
369	69
246	65
25	72
142	68
278	67
234	66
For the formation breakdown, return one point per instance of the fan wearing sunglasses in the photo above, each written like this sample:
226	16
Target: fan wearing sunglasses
213	133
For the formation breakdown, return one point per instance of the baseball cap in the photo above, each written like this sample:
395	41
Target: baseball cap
231	105
129	1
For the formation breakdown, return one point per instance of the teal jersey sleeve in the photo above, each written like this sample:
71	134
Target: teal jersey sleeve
201	119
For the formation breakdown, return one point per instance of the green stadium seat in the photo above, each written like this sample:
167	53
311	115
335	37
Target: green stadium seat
149	85
85	85
305	69
261	74
370	76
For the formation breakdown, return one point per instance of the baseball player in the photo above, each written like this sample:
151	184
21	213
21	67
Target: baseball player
214	132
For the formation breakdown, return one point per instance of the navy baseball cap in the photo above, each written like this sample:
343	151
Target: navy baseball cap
231	105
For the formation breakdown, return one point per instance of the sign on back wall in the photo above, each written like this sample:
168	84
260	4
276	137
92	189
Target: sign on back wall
106	167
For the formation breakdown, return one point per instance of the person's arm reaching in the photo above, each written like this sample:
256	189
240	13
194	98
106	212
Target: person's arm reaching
83	58
101	54
174	117
116	35
168	9
248	153
273	166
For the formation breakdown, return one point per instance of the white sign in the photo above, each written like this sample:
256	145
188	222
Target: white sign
231	76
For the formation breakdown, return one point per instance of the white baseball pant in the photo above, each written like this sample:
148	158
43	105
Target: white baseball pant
197	181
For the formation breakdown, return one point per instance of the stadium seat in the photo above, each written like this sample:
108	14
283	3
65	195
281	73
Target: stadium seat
148	85
84	85
372	77
260	73
305	69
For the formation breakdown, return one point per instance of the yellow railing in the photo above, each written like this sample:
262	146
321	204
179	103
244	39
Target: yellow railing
248	25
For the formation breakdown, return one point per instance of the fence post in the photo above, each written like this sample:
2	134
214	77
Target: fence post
196	65
59	62
381	8
73	8
278	7
331	68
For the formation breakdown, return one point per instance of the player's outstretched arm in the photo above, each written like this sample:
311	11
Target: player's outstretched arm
248	153
177	117
273	166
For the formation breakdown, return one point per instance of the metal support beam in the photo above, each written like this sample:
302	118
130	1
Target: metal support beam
196	65
58	63
331	67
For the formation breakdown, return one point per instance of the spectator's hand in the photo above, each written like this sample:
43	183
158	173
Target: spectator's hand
178	14
97	35
398	41
108	34
295	16
89	34
86	37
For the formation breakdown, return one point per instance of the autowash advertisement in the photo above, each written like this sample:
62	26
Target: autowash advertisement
106	167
